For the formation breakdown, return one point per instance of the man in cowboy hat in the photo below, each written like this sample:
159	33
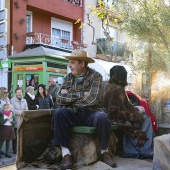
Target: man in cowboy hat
80	95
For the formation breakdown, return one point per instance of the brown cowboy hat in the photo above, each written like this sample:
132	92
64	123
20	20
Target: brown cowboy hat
80	55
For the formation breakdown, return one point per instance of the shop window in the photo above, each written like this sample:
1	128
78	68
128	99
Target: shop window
32	80
57	79
20	80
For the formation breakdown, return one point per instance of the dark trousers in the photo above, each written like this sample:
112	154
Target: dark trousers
64	118
14	141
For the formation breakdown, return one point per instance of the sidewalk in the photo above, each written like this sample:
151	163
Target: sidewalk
4	161
122	164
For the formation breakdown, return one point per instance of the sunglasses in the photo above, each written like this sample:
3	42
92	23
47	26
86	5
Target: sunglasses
5	92
49	81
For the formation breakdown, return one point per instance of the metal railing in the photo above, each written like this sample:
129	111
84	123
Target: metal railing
40	38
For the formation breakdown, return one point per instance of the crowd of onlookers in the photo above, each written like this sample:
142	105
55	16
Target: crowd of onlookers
11	109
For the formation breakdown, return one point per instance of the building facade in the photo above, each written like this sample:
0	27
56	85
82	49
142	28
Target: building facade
50	22
30	24
118	36
4	39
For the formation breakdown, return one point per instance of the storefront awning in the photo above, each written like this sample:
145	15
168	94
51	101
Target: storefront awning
103	67
40	51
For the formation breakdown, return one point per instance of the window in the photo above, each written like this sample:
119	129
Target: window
61	33
66	35
109	2
113	33
29	21
61	38
56	34
2	4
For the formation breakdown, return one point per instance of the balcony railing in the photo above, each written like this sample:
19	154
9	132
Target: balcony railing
117	48
40	38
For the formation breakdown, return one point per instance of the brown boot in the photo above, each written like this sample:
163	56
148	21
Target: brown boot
67	162
108	159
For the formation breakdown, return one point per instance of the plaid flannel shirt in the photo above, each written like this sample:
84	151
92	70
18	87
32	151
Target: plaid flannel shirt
91	82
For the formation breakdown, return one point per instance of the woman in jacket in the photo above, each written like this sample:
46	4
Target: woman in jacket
43	99
30	98
137	126
19	104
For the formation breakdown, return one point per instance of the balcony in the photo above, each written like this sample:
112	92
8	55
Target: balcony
44	39
118	49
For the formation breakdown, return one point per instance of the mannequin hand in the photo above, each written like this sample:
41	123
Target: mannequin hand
140	108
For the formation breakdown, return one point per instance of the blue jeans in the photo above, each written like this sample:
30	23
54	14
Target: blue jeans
64	118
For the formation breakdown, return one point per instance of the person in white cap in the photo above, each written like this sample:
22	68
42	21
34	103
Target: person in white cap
79	98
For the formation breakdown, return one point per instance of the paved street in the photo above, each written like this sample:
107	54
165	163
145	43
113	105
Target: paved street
7	161
122	164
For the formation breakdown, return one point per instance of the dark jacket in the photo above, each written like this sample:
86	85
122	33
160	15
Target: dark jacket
53	90
30	102
46	103
3	121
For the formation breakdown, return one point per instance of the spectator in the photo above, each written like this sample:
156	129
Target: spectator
7	120
19	104
44	100
53	90
138	131
30	98
80	97
3	100
3	97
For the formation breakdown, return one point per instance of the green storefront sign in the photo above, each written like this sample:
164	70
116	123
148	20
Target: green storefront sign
5	63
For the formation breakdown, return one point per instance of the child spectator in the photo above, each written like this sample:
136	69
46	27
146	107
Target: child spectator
7	120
